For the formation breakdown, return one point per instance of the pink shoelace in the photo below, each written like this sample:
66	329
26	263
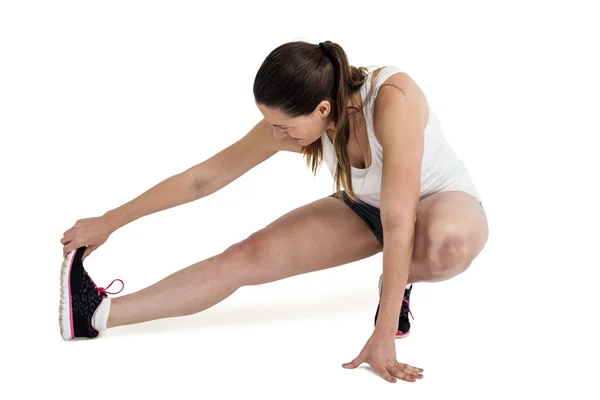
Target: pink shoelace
102	291
408	307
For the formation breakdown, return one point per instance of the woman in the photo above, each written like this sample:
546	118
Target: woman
419	197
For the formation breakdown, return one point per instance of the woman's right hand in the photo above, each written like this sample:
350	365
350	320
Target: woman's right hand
90	232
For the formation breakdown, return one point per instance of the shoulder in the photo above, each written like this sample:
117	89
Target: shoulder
396	79
396	83
396	89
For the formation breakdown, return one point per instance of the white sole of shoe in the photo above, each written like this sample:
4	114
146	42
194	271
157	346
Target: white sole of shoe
65	311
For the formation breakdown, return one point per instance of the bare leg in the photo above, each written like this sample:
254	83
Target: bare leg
185	292
451	230
322	234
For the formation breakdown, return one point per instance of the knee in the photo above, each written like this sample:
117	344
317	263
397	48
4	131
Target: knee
449	257
242	259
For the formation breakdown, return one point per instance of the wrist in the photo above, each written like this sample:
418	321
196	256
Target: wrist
112	221
383	328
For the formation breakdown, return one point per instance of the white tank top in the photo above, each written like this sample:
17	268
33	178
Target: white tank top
440	166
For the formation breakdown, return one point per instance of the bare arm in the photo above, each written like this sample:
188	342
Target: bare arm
203	179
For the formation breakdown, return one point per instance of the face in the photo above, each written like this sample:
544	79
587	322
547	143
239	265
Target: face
305	129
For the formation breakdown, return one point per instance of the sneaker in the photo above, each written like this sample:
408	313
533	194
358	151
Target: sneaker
79	298
403	322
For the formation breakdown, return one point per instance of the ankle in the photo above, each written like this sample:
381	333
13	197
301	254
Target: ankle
112	319
100	316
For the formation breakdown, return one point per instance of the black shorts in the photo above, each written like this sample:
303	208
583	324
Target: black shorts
369	213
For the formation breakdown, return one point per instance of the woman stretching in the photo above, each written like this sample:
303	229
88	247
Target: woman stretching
419	197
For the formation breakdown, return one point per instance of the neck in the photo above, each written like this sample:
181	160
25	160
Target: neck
357	100
330	128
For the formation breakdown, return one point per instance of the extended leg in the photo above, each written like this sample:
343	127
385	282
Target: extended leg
319	235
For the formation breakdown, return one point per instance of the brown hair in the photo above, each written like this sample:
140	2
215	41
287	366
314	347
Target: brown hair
295	77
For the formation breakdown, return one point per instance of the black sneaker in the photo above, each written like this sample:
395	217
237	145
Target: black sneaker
403	322
79	298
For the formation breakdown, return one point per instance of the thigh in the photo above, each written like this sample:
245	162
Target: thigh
319	235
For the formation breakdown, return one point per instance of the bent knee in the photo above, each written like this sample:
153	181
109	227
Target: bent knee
450	257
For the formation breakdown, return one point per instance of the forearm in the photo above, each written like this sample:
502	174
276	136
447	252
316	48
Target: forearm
173	191
397	256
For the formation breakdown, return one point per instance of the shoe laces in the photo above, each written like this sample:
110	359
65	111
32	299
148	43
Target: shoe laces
407	308
102	291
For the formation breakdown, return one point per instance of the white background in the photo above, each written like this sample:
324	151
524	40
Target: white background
99	101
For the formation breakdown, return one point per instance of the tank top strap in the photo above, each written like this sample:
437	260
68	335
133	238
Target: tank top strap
384	73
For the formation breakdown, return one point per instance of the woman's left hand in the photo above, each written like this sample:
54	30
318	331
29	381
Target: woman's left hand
380	353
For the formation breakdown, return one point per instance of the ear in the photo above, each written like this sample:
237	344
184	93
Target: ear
324	108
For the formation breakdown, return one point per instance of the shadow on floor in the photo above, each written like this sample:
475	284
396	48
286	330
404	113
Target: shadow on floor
223	315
